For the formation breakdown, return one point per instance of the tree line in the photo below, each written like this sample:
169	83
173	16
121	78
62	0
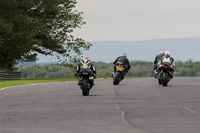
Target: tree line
138	69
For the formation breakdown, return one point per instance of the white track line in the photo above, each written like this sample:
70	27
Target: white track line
190	110
122	114
32	85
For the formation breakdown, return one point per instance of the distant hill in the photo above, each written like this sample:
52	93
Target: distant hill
26	64
107	51
181	49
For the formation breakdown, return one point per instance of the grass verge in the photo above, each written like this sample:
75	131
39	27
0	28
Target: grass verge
9	83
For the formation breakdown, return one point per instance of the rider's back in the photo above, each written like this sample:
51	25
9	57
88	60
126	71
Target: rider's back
167	60
122	59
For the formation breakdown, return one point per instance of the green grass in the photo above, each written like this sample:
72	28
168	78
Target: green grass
8	83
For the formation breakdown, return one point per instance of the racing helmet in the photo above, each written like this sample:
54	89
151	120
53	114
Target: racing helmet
167	53
124	54
85	61
88	58
162	53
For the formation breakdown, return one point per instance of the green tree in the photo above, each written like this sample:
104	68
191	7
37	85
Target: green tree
29	27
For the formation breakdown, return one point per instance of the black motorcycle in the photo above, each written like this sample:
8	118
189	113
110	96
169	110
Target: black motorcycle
87	81
119	75
164	76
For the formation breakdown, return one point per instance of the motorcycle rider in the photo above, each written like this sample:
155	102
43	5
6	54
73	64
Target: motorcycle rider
123	58
167	59
157	58
87	61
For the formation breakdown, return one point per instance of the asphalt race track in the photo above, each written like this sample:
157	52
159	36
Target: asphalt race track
135	106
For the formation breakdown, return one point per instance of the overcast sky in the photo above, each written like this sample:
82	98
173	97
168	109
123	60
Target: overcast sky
132	20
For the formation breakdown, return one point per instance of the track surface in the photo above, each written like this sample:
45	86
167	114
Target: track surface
134	106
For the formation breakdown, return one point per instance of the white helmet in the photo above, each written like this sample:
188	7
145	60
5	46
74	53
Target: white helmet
124	54
167	53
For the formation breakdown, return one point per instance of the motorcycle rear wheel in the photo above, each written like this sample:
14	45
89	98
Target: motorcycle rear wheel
165	79
85	89
116	79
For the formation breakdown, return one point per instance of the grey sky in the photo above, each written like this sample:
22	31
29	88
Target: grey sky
131	20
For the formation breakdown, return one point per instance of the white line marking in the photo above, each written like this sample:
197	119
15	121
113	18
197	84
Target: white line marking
28	85
122	114
117	106
190	110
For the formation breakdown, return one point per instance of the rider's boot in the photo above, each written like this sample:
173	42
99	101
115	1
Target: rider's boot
112	74
171	76
156	75
79	81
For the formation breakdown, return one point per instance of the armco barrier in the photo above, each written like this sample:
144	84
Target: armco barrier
10	75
